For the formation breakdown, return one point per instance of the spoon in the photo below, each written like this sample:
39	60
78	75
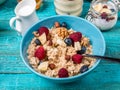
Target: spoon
103	57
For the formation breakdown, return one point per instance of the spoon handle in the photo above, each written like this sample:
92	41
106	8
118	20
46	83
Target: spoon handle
103	57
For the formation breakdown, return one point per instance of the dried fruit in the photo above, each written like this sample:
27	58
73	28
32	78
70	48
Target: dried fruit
40	53
63	73
50	43
77	58
67	57
57	24
110	18
43	66
52	66
77	46
42	38
105	6
48	37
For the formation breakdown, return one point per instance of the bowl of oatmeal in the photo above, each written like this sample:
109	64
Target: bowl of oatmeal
54	47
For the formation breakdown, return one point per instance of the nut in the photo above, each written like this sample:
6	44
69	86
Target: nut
50	43
67	57
84	41
62	32
57	24
52	66
48	37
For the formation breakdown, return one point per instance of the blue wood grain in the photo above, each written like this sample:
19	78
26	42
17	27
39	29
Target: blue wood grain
14	75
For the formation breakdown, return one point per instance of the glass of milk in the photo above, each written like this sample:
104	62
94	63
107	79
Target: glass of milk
68	7
103	14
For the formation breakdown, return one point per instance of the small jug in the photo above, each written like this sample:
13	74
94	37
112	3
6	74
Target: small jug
25	16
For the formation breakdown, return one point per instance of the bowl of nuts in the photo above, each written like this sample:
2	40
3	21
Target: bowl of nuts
54	48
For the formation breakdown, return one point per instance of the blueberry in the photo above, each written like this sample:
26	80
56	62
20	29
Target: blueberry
82	51
113	10
37	41
64	24
68	41
84	68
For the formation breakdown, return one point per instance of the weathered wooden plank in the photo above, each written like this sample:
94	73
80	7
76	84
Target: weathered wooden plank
14	75
96	81
12	64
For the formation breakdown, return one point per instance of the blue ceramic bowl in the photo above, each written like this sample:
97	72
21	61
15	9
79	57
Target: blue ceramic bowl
76	23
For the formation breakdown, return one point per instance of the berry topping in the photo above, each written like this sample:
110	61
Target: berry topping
40	53
67	57
111	18
105	6
64	25
104	15
48	37
76	36
68	41
82	51
77	58
50	43
43	30
113	10
84	68
37	41
51	66
63	73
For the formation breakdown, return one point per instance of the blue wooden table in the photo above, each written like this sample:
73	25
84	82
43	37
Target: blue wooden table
14	75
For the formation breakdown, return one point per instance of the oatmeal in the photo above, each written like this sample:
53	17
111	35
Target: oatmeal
58	52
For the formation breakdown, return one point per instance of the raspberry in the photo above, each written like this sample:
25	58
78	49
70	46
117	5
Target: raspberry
76	36
63	73
104	15
77	58
43	30
40	53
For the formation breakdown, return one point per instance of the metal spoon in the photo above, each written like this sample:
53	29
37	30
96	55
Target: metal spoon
103	57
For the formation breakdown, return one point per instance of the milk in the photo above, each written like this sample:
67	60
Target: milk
25	10
68	7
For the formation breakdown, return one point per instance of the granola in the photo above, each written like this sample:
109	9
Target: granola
58	52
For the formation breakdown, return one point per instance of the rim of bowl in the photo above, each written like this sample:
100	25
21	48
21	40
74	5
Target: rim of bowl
67	78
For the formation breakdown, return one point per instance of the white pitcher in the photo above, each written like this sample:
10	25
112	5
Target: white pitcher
25	16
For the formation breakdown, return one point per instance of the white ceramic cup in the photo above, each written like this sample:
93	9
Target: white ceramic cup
25	16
